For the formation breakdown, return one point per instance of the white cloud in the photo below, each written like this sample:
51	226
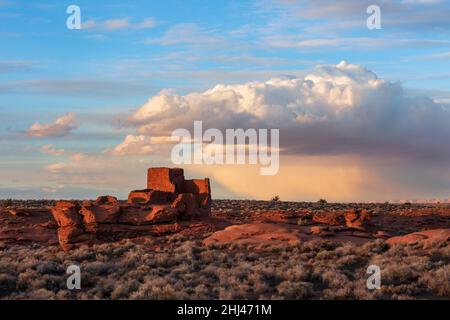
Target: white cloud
338	109
60	127
48	149
138	145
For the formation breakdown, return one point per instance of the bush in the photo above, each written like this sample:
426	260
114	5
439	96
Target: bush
275	198
307	270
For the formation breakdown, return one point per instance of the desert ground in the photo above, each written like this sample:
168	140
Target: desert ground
242	250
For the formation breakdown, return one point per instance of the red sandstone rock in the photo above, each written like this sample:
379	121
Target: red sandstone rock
70	236
149	196
29	234
66	213
155	210
71	231
162	213
94	214
331	218
145	215
166	179
135	215
116	232
106	200
201	188
27	212
255	234
186	205
319	229
357	219
28	226
428	236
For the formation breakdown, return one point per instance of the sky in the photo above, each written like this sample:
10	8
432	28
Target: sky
363	114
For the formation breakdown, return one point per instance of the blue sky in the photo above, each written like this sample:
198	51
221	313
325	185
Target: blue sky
127	53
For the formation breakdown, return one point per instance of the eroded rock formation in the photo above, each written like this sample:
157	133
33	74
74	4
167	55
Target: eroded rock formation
168	199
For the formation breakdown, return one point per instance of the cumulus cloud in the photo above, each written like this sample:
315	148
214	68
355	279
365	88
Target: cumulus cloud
60	127
337	109
138	145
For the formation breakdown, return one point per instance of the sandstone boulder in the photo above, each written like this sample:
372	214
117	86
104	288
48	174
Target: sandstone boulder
66	213
255	234
357	219
330	218
427	236
70	236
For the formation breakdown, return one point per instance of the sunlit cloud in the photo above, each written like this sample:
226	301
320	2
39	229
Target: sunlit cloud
62	126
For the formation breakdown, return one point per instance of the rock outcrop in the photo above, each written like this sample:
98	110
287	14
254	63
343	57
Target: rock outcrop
71	230
255	234
167	199
357	219
426	236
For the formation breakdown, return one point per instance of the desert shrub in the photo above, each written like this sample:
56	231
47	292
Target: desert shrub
8	283
437	281
187	270
295	290
350	262
275	198
124	289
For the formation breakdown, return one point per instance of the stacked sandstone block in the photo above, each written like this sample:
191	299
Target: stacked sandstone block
167	199
166	185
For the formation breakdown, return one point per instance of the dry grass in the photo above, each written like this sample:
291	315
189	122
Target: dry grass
312	270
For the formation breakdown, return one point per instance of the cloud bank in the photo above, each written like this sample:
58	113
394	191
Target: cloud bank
337	109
